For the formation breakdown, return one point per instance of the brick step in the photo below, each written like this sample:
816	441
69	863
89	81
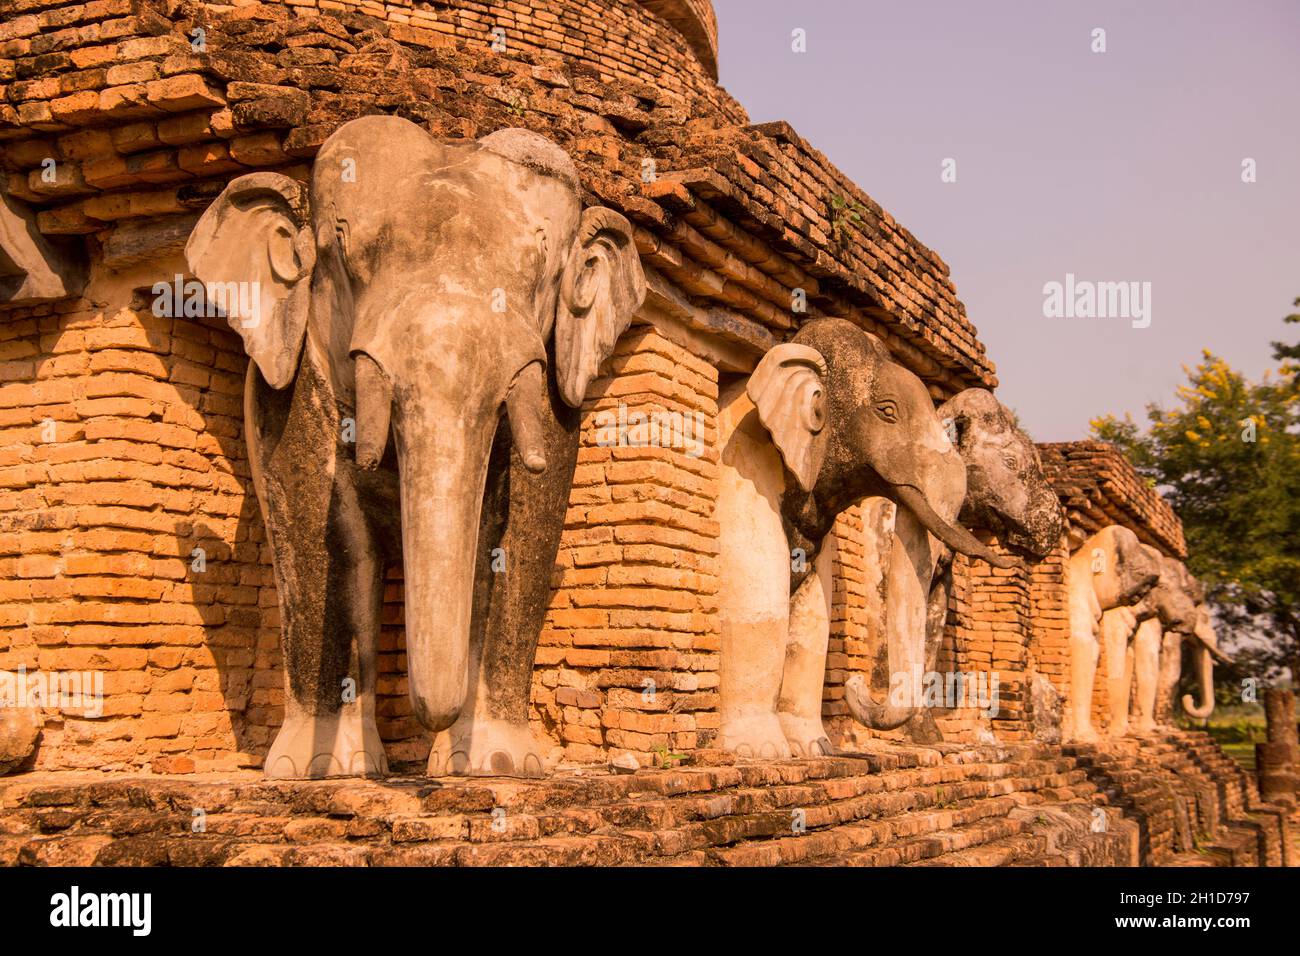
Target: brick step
1192	793
680	823
915	850
822	845
1027	805
130	807
1029	849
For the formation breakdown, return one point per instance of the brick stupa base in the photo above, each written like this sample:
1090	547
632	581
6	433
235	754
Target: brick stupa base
1174	799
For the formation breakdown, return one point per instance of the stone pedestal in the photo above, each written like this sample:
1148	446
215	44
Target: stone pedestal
1278	761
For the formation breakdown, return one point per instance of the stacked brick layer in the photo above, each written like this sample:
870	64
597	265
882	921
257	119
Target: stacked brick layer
1098	486
1025	806
166	123
908	807
130	542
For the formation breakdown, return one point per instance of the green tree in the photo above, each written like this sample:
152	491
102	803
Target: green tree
1226	456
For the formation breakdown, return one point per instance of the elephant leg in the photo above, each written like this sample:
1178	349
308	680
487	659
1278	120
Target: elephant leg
1084	654
922	729
522	521
1171	666
1115	631
1146	666
328	573
799	707
753	587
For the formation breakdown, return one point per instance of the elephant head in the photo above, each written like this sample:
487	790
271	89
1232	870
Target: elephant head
1169	599
1120	569
1006	491
432	283
850	423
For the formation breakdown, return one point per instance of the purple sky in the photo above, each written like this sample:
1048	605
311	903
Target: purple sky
1115	166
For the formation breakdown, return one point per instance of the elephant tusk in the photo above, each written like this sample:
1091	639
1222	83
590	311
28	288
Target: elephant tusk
524	405
954	536
374	411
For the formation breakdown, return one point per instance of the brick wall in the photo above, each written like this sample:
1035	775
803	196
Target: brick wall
121	453
628	659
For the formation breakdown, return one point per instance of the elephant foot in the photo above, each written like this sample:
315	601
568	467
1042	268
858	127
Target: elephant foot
1086	735
754	735
806	736
922	729
327	745
480	747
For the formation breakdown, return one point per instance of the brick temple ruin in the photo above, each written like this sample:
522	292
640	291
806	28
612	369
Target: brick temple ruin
133	548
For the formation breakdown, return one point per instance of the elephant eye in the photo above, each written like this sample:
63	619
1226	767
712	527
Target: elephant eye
1010	462
887	410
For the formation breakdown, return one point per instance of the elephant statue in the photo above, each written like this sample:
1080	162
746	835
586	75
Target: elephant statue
1006	492
1167	611
1203	641
423	324
1109	570
825	420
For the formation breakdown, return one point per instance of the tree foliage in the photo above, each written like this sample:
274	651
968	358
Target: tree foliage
1226	455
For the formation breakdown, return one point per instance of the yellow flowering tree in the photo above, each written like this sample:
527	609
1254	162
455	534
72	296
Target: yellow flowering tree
1226	455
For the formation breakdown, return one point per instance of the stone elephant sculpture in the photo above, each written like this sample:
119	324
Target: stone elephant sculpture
824	421
448	301
1202	640
1168	613
1006	492
1109	570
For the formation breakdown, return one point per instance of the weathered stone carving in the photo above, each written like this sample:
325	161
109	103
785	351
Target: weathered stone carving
1134	644
825	420
32	267
1109	570
1199	635
1045	708
1277	760
416	294
1006	492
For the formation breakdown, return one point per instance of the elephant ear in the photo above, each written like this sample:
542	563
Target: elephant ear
254	252
788	390
602	286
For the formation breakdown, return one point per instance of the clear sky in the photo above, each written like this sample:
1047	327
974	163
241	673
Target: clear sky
1122	166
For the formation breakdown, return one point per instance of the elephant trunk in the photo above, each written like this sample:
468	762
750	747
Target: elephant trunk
864	709
954	536
442	461
907	583
1205	677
